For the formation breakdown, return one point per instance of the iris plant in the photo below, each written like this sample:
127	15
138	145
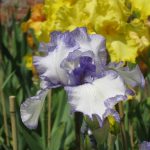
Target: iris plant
78	61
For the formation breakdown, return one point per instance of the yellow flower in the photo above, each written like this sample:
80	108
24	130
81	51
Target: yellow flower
120	51
24	26
141	6
36	26
37	13
28	61
30	40
95	15
124	40
111	120
36	19
140	42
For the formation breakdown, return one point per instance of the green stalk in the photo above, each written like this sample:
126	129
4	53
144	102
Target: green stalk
49	117
13	121
3	106
110	142
43	127
131	135
4	117
123	132
78	122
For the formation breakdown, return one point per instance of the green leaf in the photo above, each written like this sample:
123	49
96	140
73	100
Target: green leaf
8	78
57	138
87	143
101	134
32	139
59	106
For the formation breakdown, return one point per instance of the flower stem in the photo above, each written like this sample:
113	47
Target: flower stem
49	117
3	103
4	117
123	132
43	121
110	142
13	121
78	122
131	136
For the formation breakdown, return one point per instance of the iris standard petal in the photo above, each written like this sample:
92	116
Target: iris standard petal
95	43
31	108
97	98
49	68
98	44
63	46
81	37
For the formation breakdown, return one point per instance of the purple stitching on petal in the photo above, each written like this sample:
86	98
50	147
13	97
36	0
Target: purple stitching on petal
116	64
51	83
36	62
130	92
54	37
100	120
112	112
43	47
114	100
80	33
68	39
113	73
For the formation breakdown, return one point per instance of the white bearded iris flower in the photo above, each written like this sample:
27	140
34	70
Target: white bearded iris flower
78	62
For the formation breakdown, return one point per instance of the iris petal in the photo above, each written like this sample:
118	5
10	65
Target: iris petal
98	45
97	98
49	68
132	77
95	43
62	46
31	108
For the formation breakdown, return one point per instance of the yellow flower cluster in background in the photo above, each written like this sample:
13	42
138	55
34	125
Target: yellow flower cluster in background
141	6
35	20
28	60
122	23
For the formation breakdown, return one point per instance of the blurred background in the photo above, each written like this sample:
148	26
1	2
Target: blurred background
56	129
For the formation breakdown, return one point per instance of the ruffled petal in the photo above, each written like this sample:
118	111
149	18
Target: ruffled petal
58	48
97	98
79	66
95	43
31	108
81	37
66	46
49	68
98	45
